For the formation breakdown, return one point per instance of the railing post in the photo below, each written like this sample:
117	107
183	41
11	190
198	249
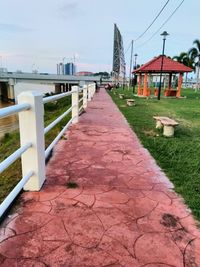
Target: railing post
89	92
75	104
31	125
85	96
94	89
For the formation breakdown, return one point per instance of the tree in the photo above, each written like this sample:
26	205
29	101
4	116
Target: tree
194	53
102	74
185	59
180	57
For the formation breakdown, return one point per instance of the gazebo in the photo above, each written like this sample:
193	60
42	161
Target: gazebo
153	67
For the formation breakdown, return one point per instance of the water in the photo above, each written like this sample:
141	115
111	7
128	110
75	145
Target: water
7	124
10	123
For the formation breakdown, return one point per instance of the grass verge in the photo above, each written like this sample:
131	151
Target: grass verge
179	157
11	176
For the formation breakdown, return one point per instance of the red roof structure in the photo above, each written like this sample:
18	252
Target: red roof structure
84	73
169	66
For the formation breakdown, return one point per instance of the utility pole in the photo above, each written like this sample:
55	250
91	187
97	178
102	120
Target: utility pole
124	78
135	67
131	63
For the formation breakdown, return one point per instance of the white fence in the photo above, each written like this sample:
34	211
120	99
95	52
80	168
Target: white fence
30	109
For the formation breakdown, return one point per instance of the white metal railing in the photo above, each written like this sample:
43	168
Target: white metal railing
13	157
5	112
30	109
49	148
81	99
55	97
51	125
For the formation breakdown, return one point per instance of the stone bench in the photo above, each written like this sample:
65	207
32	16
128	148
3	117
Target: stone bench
130	102
121	96
167	124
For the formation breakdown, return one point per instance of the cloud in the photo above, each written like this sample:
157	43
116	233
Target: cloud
13	28
93	67
70	9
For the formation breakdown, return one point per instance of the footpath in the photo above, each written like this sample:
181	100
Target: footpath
124	211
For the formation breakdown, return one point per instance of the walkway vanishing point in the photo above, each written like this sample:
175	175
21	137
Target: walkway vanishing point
123	213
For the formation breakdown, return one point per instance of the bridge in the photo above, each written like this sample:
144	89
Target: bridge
62	83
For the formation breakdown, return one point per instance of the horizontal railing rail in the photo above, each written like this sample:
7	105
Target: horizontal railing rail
81	99
55	97
56	121
30	109
13	157
49	148
80	109
14	193
8	111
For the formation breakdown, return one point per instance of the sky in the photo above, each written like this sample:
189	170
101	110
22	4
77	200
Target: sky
39	34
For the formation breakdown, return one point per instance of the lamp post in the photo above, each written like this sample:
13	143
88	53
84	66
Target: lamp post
164	34
135	61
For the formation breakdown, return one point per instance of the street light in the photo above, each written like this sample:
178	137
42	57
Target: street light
164	34
135	67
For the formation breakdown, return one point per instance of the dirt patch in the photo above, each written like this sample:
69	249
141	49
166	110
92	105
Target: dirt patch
72	185
151	133
168	220
96	108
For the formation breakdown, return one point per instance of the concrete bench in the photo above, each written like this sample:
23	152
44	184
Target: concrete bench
167	124
130	102
121	96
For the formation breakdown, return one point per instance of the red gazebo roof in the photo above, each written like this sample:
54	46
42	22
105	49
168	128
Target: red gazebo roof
169	66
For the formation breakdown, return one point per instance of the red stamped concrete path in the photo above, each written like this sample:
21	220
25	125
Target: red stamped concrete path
124	212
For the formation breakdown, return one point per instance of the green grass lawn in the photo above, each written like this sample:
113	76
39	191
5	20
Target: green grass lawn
179	157
11	176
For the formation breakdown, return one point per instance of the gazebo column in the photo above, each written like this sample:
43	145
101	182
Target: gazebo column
170	81
167	92
139	84
180	81
145	92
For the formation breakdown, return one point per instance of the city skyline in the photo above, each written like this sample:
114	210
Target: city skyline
42	33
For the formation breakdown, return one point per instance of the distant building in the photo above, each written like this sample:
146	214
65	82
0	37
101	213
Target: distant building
19	71
60	69
3	70
191	83
84	73
69	69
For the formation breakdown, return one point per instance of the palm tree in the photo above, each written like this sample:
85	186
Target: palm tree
185	59
180	57
194	53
